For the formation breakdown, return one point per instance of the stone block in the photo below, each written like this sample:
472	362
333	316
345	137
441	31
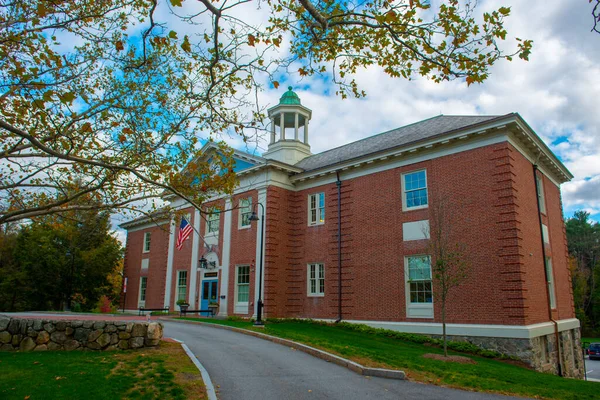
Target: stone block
61	325
31	332
151	342
81	334
27	344
129	327
16	339
5	337
94	346
58	337
23	326
112	347
76	324
114	338
124	335
155	331
104	340
69	331
139	330
123	344
110	328
71	345
119	324
30	323
13	326
49	327
43	337
4	321
7	347
54	346
99	325
94	335
41	347
136	342
88	324
37	325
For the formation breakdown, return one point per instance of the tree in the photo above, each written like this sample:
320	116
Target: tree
112	95
583	238
13	278
62	258
450	265
596	15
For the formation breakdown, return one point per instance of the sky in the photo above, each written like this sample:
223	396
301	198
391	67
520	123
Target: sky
556	92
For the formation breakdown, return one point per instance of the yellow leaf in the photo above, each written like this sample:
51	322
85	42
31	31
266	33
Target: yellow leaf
173	35
186	44
251	40
275	84
119	45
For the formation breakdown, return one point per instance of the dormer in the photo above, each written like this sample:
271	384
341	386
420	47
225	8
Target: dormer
289	130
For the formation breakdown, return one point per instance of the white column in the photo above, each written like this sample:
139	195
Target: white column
295	126
282	125
262	198
225	257
272	130
305	130
194	262
169	277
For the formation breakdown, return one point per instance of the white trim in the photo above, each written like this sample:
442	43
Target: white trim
403	189
194	262
143	225
550	282
318	293
225	257
169	278
539	181
482	330
545	234
147	234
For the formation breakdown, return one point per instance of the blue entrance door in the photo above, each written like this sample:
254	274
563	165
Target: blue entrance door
209	293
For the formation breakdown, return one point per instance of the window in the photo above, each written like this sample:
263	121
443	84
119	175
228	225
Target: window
143	284
181	285
243	284
550	280
419	279
147	242
145	263
414	190
245	212
316	209
316	280
212	222
540	189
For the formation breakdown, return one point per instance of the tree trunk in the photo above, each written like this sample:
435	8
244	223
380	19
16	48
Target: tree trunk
444	329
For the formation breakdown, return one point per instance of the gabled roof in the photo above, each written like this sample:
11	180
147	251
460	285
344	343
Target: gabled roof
397	137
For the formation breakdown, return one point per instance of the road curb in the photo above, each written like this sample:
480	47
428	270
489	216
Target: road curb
323	355
210	388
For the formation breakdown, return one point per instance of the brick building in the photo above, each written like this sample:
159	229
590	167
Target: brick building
346	234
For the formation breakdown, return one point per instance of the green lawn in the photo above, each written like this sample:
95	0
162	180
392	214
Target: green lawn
378	350
162	373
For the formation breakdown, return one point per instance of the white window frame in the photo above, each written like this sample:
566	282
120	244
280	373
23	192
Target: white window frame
245	210
180	286
211	219
319	278
142	303
550	282
539	181
403	183
147	241
318	210
241	307
417	310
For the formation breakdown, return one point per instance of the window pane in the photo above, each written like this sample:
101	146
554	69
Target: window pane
243	293
205	291
321	271
213	291
321	214
313	215
321	199
313	286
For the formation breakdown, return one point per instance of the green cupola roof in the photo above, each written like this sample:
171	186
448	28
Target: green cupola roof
290	97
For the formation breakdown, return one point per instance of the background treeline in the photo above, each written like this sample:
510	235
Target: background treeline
60	262
583	238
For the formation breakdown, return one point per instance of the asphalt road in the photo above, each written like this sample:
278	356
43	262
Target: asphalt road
592	368
243	367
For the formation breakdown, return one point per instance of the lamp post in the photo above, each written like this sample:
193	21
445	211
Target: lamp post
259	305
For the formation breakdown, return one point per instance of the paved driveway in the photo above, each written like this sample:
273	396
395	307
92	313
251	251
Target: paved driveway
593	368
243	367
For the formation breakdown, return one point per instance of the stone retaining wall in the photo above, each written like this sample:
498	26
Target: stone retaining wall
43	334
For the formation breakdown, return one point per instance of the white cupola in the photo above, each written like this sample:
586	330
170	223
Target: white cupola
289	143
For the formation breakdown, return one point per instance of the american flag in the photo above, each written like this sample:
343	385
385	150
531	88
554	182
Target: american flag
185	230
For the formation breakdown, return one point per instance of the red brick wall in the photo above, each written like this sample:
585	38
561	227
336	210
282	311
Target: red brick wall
157	271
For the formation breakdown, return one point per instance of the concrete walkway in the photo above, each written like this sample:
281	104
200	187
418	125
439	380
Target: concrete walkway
245	367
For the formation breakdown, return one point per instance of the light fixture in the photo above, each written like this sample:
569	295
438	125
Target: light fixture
253	216
204	264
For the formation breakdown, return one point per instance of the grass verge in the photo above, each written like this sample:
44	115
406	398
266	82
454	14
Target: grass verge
380	350
165	372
